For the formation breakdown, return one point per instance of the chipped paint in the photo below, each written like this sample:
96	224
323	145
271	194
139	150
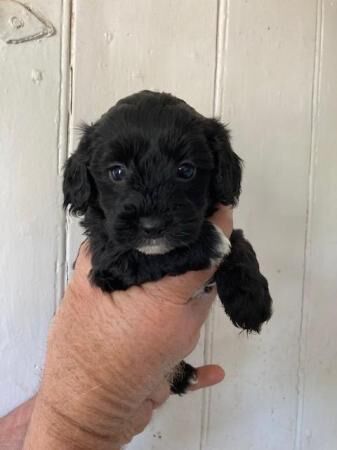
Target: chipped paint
108	36
16	22
37	76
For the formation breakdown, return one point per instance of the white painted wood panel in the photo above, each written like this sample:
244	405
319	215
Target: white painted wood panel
266	98
31	218
275	69
318	388
123	47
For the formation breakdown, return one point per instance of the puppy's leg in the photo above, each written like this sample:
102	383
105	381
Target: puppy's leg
182	377
242	289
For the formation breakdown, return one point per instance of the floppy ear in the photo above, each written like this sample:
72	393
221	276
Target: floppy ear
76	183
226	183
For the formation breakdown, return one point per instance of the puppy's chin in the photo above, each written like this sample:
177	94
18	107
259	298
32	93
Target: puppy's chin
158	246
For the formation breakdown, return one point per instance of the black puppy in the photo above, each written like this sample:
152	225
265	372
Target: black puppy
146	176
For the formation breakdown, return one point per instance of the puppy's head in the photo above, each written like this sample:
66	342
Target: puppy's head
149	171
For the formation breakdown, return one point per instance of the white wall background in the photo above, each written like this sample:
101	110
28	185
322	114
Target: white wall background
267	67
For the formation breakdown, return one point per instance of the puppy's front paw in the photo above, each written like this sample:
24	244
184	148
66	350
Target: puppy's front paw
222	246
244	293
184	375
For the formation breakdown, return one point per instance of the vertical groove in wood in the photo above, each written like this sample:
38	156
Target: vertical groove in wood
220	53
63	119
62	141
70	127
222	46
315	99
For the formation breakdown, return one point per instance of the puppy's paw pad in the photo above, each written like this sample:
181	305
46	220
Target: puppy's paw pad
223	246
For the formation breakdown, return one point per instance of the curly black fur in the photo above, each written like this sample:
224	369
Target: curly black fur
150	134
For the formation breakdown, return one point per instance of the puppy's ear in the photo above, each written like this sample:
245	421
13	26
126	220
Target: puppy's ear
226	183
76	183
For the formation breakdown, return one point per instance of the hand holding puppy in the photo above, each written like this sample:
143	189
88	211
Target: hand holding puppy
109	356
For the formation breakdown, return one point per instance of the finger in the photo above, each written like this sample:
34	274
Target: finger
208	376
223	218
199	307
182	288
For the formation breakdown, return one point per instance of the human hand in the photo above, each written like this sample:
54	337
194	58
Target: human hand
109	356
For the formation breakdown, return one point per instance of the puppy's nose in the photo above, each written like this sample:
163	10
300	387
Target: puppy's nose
151	225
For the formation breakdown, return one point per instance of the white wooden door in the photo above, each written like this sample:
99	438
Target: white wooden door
269	69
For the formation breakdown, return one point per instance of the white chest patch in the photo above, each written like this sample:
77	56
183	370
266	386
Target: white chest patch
154	247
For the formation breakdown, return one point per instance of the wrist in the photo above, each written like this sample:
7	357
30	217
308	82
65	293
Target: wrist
51	427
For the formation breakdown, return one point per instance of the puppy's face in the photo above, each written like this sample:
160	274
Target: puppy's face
152	180
147	170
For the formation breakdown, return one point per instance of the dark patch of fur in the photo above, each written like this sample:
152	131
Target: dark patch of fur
183	377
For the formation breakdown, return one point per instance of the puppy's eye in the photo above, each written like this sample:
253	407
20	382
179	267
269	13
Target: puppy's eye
117	172
186	171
